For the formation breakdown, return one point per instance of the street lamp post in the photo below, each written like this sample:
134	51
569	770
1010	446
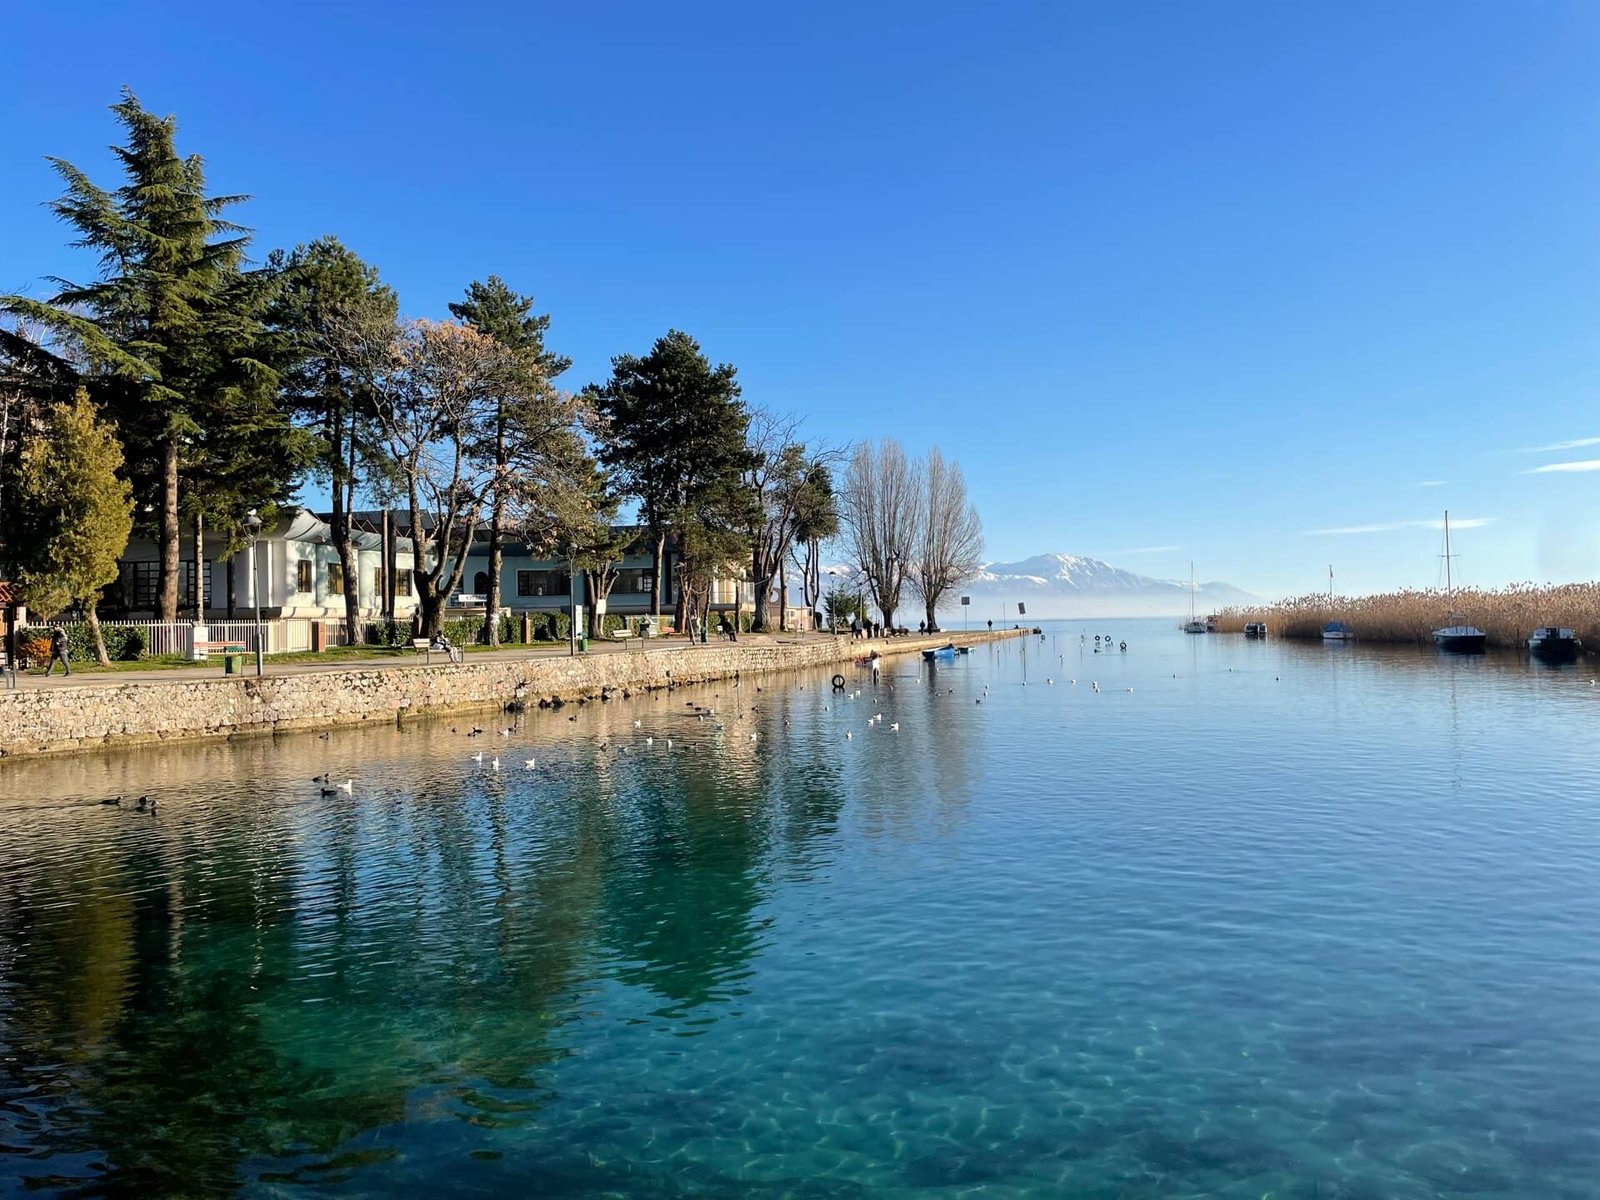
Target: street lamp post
252	523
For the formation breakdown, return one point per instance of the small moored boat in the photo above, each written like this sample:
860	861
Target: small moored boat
948	651
1457	637
1338	631
1551	643
1255	629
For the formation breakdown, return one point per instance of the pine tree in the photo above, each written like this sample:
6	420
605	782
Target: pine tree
170	334
322	291
75	513
675	434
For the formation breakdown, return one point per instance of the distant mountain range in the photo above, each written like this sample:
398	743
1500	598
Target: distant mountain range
1069	585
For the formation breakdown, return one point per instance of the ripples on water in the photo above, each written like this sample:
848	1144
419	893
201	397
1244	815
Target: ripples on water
1284	920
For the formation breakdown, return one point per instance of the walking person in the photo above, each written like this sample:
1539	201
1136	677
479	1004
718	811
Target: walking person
58	651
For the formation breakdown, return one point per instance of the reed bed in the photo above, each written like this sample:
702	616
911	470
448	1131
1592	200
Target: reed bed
1507	615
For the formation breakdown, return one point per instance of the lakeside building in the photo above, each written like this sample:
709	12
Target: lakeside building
297	567
300	575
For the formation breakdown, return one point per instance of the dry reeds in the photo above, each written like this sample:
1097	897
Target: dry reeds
1507	615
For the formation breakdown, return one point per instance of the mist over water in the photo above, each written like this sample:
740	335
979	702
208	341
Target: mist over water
1281	919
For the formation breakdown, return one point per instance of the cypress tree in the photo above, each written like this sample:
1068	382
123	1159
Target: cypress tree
74	515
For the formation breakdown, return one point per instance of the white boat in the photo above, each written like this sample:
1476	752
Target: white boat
1458	637
1336	631
1192	625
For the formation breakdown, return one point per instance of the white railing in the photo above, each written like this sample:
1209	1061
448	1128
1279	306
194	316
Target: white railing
282	635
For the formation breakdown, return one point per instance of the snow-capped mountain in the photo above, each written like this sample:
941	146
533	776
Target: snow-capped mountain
1070	585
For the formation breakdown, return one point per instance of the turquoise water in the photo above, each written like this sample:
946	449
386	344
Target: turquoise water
1284	921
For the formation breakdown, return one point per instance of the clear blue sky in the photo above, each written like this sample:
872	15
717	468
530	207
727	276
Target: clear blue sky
1171	281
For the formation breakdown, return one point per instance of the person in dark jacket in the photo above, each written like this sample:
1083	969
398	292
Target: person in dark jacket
58	651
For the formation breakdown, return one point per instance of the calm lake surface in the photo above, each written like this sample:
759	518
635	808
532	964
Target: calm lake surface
1282	920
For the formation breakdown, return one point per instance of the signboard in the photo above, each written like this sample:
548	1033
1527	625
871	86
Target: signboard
965	600
1022	610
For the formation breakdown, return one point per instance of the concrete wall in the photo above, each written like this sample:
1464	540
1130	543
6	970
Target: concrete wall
42	720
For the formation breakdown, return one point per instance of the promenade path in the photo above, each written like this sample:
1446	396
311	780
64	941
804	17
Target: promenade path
400	660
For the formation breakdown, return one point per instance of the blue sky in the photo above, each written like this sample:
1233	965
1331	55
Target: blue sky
1171	281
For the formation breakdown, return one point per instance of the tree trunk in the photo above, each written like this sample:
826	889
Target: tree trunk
491	607
92	619
783	595
168	536
657	561
933	622
198	577
233	594
344	543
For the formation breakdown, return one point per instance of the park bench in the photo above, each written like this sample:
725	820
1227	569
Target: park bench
425	647
621	635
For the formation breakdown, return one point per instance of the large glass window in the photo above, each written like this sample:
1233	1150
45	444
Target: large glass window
542	583
634	581
302	576
335	579
402	581
143	577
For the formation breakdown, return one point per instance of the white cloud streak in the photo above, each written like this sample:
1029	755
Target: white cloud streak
1391	526
1110	554
1554	447
1433	483
1587	464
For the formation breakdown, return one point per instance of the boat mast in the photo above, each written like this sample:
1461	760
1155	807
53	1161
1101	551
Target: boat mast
1191	593
1330	585
1449	583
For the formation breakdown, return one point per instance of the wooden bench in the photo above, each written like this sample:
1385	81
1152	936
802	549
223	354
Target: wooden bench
204	649
424	646
622	635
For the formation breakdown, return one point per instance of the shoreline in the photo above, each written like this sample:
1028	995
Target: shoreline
103	715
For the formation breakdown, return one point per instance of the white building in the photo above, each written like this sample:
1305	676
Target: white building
295	562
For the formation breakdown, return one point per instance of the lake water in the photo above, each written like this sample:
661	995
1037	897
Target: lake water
1281	920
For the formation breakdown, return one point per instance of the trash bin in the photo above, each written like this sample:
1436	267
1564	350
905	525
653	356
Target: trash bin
232	663
583	642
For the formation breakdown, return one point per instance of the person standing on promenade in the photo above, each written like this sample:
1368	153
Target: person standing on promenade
58	651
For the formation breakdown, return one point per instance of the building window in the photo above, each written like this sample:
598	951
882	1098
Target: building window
634	581
402	581
302	576
144	576
377	583
335	579
543	583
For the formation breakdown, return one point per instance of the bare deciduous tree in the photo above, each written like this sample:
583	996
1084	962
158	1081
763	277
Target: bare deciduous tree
880	503
948	549
781	476
435	383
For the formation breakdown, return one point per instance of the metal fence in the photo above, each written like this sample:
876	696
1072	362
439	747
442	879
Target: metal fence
188	639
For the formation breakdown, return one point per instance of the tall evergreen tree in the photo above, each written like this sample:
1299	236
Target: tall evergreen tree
528	426
169	335
323	290
675	432
75	513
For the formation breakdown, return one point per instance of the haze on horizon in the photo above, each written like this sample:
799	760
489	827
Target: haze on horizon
1263	288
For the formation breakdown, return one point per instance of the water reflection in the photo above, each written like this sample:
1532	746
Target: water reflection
258	975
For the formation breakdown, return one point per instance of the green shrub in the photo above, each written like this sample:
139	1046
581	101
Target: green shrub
387	633
124	643
463	631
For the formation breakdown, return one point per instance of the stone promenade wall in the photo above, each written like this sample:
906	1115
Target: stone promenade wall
39	721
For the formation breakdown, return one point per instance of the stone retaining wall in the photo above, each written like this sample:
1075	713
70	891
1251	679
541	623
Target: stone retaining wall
39	721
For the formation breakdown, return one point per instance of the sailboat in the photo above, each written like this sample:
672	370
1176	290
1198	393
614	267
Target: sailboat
1193	626
1458	637
1335	631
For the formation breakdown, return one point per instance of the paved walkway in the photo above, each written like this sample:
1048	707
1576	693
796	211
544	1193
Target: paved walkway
399	660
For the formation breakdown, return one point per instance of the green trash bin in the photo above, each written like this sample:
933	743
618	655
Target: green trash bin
583	643
232	663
